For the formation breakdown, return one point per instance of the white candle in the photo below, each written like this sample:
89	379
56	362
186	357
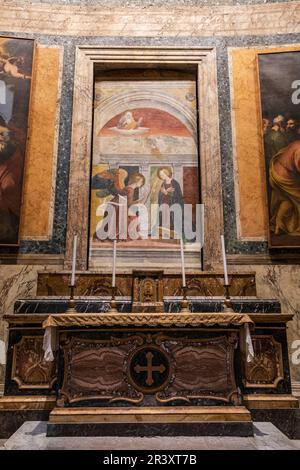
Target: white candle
202	226
74	261
224	261
114	264
182	263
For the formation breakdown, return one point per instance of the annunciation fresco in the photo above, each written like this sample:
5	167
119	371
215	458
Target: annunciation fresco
280	102
16	57
145	161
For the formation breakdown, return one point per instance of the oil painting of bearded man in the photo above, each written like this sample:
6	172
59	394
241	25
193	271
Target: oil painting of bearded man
16	57
10	187
278	79
285	196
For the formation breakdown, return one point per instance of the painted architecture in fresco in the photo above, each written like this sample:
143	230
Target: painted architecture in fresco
280	100
144	152
16	57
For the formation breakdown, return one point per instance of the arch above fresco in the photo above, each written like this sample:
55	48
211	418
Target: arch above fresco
114	105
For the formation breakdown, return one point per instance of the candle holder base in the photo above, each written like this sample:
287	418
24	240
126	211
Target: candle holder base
113	303
71	304
71	309
113	307
184	303
227	304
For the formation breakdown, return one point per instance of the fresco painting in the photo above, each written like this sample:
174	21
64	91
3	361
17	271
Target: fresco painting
145	150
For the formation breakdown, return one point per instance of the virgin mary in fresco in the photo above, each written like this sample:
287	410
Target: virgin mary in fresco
170	194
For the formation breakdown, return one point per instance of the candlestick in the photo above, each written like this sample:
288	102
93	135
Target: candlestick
71	304
224	261
202	226
113	304
182	263
74	261
227	305
114	264
184	302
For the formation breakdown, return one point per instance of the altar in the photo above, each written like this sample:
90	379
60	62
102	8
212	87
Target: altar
93	370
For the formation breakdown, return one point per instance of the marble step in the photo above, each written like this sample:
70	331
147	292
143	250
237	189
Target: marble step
151	421
149	414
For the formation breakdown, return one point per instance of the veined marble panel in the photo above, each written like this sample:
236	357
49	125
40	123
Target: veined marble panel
40	166
249	165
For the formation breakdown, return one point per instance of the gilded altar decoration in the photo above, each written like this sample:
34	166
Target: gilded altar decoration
280	100
146	319
16	58
148	295
198	284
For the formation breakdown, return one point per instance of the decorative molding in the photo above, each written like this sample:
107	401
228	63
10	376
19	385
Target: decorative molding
34	259
201	59
264	258
146	319
90	283
271	402
22	402
296	388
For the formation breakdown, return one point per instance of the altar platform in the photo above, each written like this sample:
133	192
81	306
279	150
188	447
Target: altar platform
149	373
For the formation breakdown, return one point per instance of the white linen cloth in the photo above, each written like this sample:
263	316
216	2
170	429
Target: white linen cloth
49	343
249	344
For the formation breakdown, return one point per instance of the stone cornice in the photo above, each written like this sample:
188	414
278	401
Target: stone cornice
180	21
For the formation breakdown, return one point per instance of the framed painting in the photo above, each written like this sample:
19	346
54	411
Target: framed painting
144	164
279	80
16	64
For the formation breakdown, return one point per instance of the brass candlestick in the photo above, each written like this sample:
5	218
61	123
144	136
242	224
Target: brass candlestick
227	304
184	302
113	303
71	303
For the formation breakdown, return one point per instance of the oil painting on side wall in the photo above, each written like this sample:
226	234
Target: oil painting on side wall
145	152
279	75
16	57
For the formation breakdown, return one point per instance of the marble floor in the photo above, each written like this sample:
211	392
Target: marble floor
32	436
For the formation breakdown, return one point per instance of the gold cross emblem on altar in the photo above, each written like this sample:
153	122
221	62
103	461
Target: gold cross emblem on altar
149	368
